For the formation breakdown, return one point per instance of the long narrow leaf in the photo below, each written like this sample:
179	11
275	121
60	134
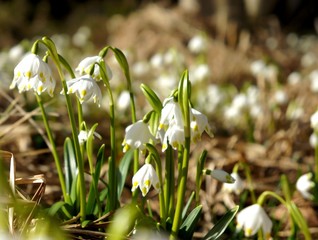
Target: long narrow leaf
221	225
70	165
123	171
188	226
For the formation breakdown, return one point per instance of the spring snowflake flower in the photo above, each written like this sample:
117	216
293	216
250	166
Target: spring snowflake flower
144	178
173	136
220	175
33	73
137	135
199	124
84	67
236	187
85	88
252	218
304	184
171	112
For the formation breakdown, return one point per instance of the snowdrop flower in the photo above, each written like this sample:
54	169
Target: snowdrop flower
84	67
137	135
257	67
140	69
280	97
33	73
240	101
144	178
16	52
83	136
85	88
236	187
199	123
314	121
157	61
252	218
197	44
80	38
304	184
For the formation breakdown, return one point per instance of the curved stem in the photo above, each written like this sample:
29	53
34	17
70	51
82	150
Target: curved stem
53	147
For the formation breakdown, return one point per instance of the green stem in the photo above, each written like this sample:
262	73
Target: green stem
316	162
56	58
169	182
53	147
249	181
181	190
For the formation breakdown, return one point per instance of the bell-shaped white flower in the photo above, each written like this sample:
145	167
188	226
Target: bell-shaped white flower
84	67
85	88
173	136
198	44
137	135
236	187
199	123
252	218
144	178
304	184
171	112
33	73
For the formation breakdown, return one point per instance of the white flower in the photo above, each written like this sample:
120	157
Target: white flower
33	73
123	100
313	140
304	184
252	218
144	178
280	97
197	44
82	136
170	112
199	73
236	187
199	123
314	121
84	67
173	136
294	78
137	135
85	88
221	176
257	67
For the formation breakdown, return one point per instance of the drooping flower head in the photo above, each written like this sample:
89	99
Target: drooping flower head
236	187
305	184
199	124
252	218
137	135
144	178
85	88
33	73
84	67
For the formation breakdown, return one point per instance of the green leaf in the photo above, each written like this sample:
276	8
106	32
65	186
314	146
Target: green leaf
61	207
221	225
70	165
123	171
188	226
151	97
185	209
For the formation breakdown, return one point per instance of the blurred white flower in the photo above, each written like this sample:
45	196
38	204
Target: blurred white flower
137	135
294	78
33	73
144	178
157	61
304	184
83	136
199	73
84	67
140	69
308	59
313	77
198	44
81	37
314	121
280	97
257	67
252	218
236	187
16	52
85	88
123	101
313	140
294	111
